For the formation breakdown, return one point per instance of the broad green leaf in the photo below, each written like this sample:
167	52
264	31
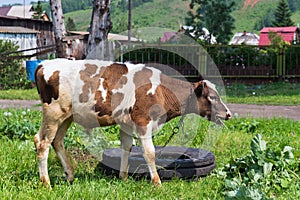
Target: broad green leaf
267	168
284	183
287	150
257	144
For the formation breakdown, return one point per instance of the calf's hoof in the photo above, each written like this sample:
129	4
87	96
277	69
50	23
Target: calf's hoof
46	182
123	175
156	181
69	177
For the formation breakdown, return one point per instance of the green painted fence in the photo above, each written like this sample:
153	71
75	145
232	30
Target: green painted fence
215	60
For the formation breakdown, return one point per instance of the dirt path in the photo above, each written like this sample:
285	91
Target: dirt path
243	110
20	104
265	111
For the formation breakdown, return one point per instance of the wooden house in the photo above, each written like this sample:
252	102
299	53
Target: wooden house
289	34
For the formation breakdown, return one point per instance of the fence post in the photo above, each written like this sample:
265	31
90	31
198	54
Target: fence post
279	64
283	62
202	62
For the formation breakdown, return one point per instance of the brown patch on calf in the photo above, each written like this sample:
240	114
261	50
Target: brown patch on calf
147	106
140	111
91	81
116	100
201	90
113	79
47	90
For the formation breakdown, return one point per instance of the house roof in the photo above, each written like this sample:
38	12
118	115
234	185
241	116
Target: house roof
289	29
287	34
248	38
16	29
25	11
22	11
167	36
111	36
4	10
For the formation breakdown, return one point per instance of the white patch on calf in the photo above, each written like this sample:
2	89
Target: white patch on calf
210	85
213	87
155	80
128	90
102	90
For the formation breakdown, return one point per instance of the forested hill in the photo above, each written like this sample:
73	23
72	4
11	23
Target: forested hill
250	15
253	15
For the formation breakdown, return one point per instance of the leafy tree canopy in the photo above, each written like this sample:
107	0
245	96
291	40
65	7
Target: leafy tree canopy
213	15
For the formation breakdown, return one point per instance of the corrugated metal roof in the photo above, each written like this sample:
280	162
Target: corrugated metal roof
279	29
287	34
111	36
21	11
16	29
242	38
4	10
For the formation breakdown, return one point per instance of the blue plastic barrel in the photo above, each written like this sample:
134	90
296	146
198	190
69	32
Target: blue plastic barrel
31	65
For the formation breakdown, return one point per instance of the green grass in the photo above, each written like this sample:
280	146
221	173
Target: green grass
280	93
171	15
29	94
19	177
82	18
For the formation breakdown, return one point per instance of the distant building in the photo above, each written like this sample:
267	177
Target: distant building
20	11
289	34
20	24
76	43
244	38
176	36
25	38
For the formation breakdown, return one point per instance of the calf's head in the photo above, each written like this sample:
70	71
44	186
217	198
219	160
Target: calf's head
209	102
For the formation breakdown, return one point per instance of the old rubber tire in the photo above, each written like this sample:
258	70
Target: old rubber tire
171	162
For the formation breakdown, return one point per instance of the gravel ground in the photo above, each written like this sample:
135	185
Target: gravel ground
265	111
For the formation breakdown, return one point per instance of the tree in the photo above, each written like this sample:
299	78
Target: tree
12	73
213	15
38	10
265	21
98	46
58	26
70	26
282	15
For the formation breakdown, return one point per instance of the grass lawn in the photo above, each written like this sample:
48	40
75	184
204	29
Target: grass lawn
29	94
269	94
231	145
281	93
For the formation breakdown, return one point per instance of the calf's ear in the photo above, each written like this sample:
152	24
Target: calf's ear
200	89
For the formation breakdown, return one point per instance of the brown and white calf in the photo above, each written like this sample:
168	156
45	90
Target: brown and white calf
101	93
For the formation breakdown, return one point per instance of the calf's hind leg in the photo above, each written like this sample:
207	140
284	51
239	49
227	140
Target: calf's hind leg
59	147
43	140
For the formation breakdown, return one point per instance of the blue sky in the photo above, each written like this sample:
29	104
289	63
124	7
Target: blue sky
5	2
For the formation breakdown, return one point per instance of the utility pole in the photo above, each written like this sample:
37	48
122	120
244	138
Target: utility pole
129	20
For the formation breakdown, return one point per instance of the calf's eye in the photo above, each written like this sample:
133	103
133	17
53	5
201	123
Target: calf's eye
213	98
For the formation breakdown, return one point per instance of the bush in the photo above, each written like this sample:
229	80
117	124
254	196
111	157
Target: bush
12	73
